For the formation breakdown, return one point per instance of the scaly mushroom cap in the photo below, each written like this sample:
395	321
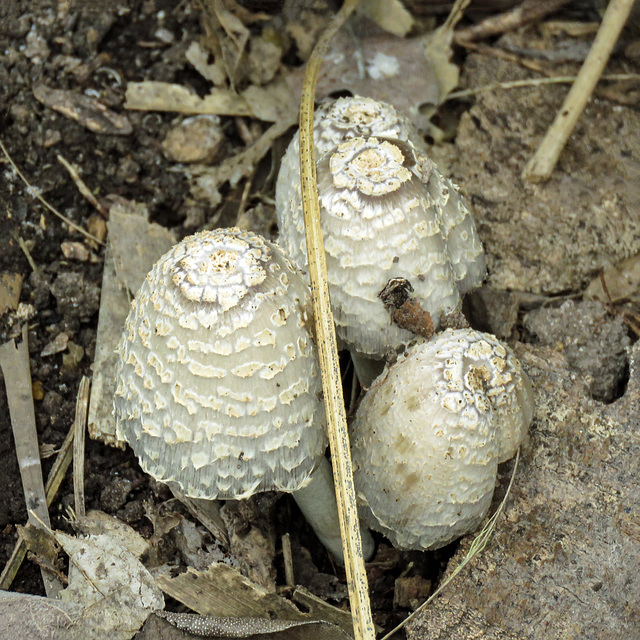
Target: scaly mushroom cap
378	223
444	212
217	379
336	121
428	436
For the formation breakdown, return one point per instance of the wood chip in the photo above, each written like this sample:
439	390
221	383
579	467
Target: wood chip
10	286
58	344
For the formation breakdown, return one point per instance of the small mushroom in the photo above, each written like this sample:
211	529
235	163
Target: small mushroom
386	213
428	436
218	388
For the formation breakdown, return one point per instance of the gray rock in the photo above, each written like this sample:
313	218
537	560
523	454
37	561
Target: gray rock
593	342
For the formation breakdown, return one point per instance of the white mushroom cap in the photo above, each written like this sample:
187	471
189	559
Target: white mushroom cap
428	436
441	221
217	381
379	223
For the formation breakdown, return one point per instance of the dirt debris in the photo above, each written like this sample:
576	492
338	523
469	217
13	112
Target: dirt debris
549	238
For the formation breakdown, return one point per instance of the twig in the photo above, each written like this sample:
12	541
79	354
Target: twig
82	187
80	428
495	52
287	556
48	567
528	11
23	245
478	545
35	193
540	167
327	348
244	197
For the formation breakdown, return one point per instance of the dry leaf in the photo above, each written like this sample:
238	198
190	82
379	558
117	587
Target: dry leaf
381	66
111	581
89	112
37	618
164	96
391	15
134	245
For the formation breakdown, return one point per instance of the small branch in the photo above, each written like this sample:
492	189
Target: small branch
540	167
529	11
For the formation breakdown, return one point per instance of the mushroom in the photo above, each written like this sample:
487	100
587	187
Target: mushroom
218	392
428	437
386	212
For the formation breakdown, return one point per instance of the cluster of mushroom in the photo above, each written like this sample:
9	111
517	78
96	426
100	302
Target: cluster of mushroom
218	387
429	434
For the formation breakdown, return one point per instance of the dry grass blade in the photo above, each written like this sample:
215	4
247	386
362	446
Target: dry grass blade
540	167
56	475
533	82
82	187
80	429
478	544
14	361
327	347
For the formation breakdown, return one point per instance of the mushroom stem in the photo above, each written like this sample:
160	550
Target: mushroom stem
317	501
368	369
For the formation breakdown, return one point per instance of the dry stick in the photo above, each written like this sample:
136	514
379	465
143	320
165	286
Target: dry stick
289	577
528	11
80	428
327	348
478	544
35	193
56	475
540	167
14	361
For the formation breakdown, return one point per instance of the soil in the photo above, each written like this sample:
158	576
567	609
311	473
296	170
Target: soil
591	213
